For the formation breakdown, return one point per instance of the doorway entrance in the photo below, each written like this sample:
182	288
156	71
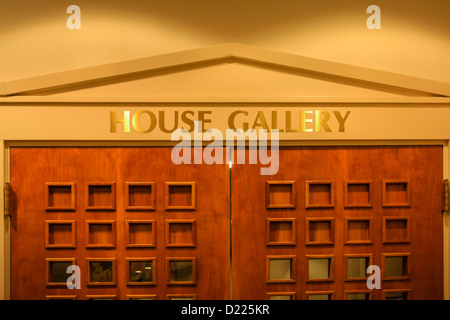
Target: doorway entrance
311	231
140	227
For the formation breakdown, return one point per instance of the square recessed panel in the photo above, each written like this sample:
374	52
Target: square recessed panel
100	233
280	231
140	196
320	268
140	233
395	294
181	233
319	194
56	271
358	231
181	296
357	266
396	230
396	193
101	271
141	271
181	271
280	194
319	231
100	196
280	295
141	296
60	196
60	234
60	297
319	295
280	269
358	295
358	194
395	266
180	196
101	297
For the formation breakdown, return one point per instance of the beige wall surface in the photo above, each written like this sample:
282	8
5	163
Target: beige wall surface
413	38
413	41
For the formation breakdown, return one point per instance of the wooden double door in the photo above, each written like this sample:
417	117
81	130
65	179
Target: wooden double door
138	226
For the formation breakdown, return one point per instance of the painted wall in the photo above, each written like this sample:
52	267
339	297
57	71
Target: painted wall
413	38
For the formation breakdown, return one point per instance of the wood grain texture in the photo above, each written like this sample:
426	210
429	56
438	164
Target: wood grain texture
32	168
420	167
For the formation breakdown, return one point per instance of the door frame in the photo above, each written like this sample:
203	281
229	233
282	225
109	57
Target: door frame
5	234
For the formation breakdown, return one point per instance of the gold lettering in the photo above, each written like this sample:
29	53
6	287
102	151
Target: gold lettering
304	121
289	122
232	117
125	121
186	120
322	122
275	121
341	120
136	125
162	122
201	117
260	121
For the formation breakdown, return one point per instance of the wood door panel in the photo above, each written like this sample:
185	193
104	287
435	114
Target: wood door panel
368	169
31	168
317	179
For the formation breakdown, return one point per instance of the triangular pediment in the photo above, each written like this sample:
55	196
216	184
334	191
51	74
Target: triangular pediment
229	70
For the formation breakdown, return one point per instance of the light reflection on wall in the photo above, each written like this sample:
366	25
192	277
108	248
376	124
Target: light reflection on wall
413	39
